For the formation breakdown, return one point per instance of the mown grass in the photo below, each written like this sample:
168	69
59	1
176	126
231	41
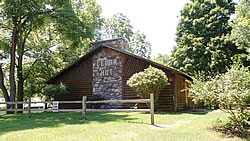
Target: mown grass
112	126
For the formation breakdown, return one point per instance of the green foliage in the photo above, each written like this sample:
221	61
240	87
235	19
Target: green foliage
238	123
119	26
51	91
202	46
139	45
77	27
150	81
161	59
53	35
40	70
241	30
231	91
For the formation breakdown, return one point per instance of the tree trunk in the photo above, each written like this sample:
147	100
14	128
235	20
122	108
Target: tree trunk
45	106
12	70
2	86
20	78
20	93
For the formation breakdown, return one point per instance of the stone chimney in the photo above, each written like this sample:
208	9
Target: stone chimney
119	43
107	72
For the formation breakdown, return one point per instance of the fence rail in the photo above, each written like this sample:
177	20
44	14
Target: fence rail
87	102
84	102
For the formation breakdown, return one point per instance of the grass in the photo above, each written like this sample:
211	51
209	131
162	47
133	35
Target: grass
112	126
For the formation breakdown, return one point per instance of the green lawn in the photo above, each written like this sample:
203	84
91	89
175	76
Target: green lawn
111	126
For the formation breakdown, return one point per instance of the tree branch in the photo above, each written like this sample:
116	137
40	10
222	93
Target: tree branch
28	73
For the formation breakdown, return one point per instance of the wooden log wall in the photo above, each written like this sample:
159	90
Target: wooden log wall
80	71
79	80
78	89
129	93
133	65
180	93
166	102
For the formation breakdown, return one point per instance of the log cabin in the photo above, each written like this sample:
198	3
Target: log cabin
102	74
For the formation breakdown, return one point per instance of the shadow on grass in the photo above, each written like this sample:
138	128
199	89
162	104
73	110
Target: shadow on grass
19	122
195	111
225	133
181	113
198	113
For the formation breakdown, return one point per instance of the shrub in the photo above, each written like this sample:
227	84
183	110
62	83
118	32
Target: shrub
150	81
55	90
231	92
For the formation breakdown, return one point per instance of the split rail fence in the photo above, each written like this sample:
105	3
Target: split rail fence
84	102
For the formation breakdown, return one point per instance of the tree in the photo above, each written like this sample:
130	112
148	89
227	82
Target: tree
161	59
139	45
62	24
202	46
231	91
119	26
150	81
241	30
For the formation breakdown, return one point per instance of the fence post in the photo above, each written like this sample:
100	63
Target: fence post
29	107
84	98
152	108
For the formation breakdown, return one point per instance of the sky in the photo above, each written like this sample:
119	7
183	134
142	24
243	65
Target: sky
157	19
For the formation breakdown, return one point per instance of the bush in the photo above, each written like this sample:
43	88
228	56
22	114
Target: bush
231	92
55	90
151	81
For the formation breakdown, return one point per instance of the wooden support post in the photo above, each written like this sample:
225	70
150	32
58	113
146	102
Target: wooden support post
152	109
29	107
186	94
84	98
